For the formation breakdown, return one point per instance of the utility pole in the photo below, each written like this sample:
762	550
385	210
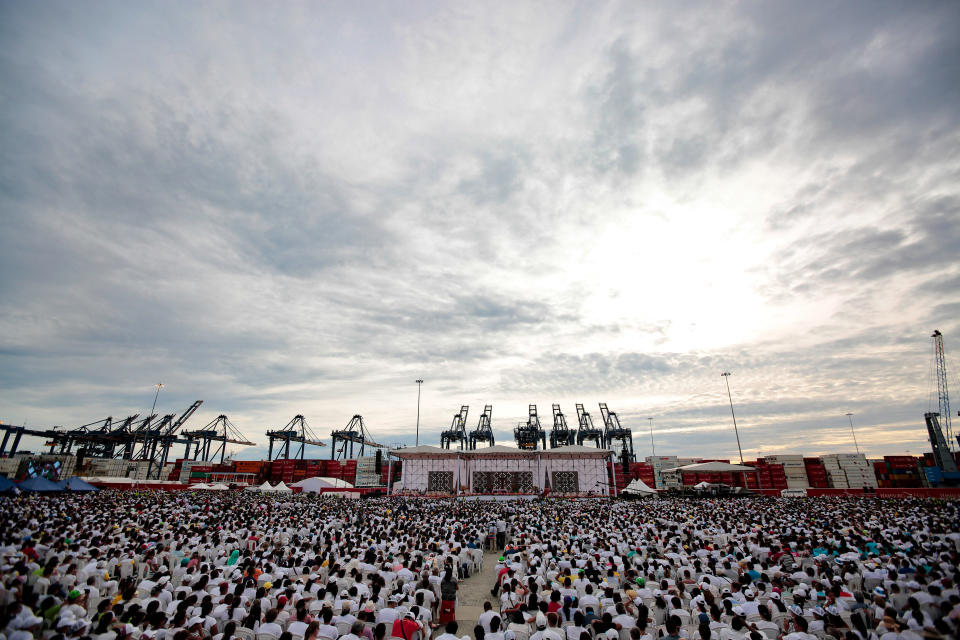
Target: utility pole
419	384
653	449
850	416
726	376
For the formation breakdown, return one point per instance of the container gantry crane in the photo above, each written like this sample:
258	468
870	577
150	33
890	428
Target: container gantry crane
530	435
587	432
211	441
618	438
484	430
457	431
354	434
561	435
296	431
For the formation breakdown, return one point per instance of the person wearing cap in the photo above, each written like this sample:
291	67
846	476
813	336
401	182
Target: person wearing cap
389	614
547	627
406	627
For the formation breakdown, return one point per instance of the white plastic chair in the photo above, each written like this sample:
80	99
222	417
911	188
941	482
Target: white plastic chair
266	636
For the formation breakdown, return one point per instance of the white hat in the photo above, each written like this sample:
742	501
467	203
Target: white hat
612	633
541	621
194	621
795	610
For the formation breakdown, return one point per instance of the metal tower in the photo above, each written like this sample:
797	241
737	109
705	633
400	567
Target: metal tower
617	437
484	430
355	433
297	430
943	393
561	435
530	435
588	432
457	431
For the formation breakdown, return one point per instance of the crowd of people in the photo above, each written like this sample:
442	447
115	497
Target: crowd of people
184	566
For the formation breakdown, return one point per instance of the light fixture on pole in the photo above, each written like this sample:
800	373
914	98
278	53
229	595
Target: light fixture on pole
850	416
159	386
653	450
419	383
726	376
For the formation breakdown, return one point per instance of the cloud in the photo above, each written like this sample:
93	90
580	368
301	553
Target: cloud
304	210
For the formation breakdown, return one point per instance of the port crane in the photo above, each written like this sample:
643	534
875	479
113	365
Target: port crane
530	435
457	431
211	441
484	430
131	439
941	436
296	431
587	432
618	438
354	434
561	435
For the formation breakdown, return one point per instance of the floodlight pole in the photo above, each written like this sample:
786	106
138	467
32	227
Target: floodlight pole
853	433
653	449
159	386
419	384
726	376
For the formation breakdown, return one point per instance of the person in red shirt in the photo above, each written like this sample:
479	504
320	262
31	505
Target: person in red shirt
406	627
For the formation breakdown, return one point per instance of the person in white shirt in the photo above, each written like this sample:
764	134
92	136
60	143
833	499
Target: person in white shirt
449	631
484	618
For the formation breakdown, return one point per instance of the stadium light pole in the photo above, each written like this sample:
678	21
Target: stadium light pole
419	384
726	376
653	449
853	433
159	386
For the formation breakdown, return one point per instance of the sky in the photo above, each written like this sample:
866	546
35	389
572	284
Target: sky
301	208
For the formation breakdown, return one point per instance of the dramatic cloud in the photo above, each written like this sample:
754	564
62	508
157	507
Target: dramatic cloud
302	208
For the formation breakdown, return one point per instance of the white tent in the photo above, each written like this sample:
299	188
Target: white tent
319	484
708	467
702	485
219	487
282	488
638	487
200	486
265	488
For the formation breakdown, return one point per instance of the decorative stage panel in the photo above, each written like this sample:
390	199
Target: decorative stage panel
566	481
440	481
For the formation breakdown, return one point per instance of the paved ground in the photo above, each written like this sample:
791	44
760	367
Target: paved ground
472	594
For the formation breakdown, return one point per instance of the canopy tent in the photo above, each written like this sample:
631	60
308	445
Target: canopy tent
282	488
319	484
639	488
219	486
702	485
200	486
266	487
712	467
76	483
7	485
39	485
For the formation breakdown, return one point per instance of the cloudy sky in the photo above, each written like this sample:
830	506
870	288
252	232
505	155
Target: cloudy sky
286	208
